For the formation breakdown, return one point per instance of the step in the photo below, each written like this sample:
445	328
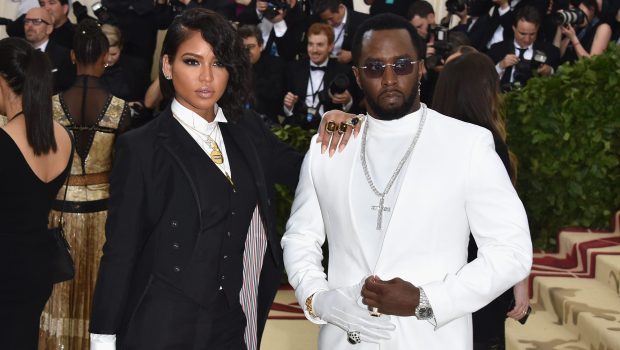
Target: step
541	331
608	271
585	307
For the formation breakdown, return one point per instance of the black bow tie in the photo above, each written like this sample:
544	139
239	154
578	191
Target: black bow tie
324	68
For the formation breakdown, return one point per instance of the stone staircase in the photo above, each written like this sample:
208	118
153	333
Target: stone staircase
575	295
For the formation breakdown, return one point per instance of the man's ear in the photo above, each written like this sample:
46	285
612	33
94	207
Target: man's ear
65	9
356	73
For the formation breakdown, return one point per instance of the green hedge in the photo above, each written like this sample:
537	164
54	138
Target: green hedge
565	130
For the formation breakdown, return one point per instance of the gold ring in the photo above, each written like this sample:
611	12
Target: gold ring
342	128
353	121
330	127
375	312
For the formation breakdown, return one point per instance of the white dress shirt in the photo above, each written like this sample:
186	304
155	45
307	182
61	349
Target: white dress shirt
529	53
498	35
339	34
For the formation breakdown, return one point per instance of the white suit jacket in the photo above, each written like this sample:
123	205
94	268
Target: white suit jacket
454	183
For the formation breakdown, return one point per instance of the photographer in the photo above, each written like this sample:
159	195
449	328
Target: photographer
517	60
317	83
268	74
344	21
581	33
283	24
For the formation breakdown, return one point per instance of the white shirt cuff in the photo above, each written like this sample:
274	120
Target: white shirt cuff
287	112
102	341
280	28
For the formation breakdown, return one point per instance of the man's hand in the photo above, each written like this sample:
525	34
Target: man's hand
394	297
545	70
290	99
339	307
569	32
508	61
344	56
261	5
342	98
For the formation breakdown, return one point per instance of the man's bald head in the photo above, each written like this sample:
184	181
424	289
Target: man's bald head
38	26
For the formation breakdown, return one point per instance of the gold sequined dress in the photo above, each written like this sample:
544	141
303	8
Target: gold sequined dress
65	319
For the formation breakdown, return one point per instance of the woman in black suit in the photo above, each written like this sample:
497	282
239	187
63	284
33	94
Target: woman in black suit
191	221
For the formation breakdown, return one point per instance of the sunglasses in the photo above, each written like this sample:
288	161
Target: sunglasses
402	66
35	21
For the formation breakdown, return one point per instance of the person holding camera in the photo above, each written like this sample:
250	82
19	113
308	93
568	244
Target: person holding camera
318	83
581	33
518	60
344	21
268	74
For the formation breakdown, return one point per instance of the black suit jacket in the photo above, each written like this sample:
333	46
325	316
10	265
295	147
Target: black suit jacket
354	19
154	192
296	81
498	51
63	70
269	85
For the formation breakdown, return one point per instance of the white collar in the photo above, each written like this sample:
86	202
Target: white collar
324	64
405	125
43	46
193	120
517	46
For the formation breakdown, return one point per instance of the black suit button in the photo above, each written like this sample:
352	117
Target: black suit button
174	224
176	269
269	202
223	277
228	233
176	245
225	256
233	213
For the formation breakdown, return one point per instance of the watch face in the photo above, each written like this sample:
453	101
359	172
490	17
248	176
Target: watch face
425	312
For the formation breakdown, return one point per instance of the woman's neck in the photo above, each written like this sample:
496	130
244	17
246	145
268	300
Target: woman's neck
13	106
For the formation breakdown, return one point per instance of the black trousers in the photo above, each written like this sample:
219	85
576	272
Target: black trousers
168	320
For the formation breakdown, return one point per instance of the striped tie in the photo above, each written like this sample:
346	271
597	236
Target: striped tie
255	247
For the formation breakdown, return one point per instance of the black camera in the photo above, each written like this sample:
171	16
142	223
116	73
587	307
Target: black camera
102	13
454	6
338	85
572	16
524	69
442	46
273	8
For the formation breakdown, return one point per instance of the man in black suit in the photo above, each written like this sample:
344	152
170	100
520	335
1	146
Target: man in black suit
38	27
318	83
268	72
63	28
345	23
516	59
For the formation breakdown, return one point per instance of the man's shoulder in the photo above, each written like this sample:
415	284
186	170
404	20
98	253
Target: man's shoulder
453	129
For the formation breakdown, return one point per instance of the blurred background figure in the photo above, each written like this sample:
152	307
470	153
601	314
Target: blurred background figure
36	155
38	28
581	33
468	89
268	74
95	117
63	28
124	76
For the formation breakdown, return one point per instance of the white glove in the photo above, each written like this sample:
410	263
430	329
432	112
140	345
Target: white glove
339	307
102	341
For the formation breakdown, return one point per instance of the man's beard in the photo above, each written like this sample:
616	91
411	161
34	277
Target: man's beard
395	112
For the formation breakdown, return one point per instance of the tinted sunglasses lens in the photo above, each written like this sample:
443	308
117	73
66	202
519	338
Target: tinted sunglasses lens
403	68
374	70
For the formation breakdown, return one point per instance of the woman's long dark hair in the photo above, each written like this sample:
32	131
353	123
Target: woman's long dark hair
468	89
28	73
228	48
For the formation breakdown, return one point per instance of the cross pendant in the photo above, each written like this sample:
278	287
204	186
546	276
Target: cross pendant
381	208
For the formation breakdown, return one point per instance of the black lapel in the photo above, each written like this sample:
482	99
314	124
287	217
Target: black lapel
171	134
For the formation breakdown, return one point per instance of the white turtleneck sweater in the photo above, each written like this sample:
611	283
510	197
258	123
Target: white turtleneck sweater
386	144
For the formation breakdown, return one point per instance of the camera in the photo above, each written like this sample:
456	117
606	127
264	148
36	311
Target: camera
454	6
102	13
442	46
572	16
273	8
338	85
524	70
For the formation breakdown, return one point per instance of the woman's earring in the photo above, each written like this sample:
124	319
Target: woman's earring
167	77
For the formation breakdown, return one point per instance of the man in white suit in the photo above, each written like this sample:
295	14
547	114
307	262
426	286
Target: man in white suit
396	208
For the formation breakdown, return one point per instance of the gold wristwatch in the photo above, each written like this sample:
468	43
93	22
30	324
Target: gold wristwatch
309	306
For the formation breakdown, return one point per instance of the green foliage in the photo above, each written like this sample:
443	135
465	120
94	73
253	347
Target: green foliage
565	130
299	139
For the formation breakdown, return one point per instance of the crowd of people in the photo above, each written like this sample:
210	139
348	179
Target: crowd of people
190	229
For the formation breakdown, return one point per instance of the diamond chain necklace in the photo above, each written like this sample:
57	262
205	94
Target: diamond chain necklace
382	195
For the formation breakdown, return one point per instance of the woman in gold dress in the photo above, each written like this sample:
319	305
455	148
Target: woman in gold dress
95	118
